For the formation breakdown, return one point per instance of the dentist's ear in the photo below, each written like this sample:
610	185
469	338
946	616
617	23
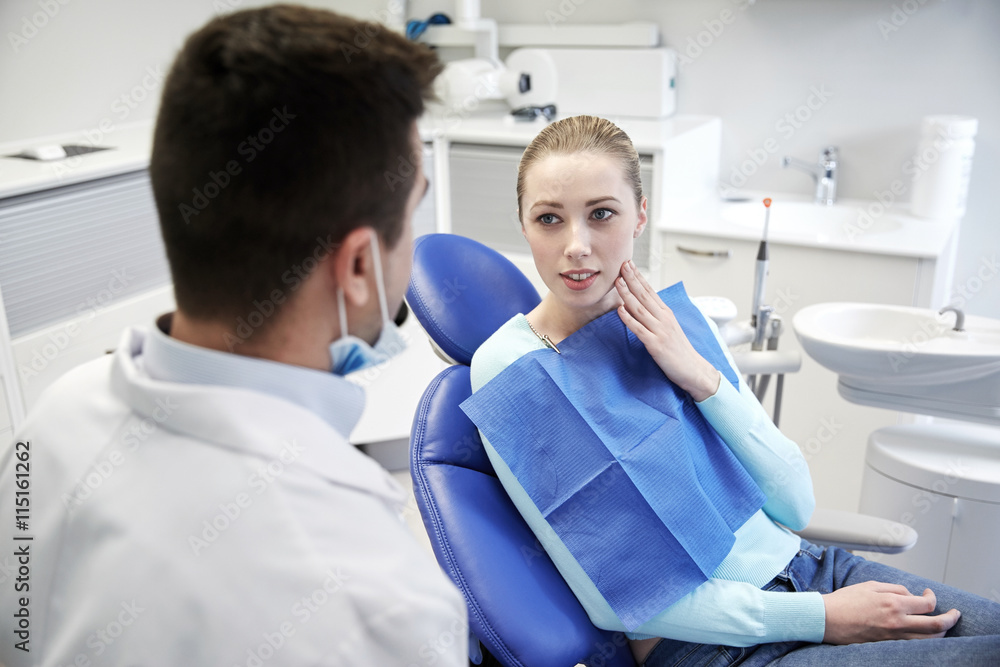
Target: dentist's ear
353	267
518	212
643	219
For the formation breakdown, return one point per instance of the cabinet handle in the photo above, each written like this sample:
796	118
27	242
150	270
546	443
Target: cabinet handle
705	253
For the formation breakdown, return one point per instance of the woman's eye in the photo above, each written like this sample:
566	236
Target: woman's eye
603	213
548	219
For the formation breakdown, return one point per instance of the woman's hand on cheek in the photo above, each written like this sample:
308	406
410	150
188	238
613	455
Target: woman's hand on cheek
645	314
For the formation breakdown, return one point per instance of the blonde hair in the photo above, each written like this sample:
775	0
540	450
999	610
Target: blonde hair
582	134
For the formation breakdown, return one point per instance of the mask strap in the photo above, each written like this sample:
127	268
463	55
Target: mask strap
342	312
379	280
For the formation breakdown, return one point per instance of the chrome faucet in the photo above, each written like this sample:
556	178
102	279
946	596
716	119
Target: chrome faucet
823	172
959	317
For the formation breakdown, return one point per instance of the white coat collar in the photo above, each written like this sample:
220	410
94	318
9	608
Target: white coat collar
245	420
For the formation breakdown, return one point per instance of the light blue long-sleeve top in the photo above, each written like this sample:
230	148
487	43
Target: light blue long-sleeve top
730	608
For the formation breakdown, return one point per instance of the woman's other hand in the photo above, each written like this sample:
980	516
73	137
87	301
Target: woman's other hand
873	611
645	314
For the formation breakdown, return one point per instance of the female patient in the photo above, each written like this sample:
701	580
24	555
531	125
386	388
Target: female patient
777	597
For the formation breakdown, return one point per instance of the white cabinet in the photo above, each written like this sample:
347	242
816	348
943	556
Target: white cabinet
943	480
79	262
474	172
831	432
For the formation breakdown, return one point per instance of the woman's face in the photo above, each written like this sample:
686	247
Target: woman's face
580	218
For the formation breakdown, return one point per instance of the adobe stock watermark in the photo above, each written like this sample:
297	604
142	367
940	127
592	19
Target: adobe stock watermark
104	467
121	108
915	167
967	290
249	149
922	502
32	24
263	309
406	167
605	651
438	647
701	41
58	340
798	466
827	430
363	35
565	9
106	635
230	512
928	330
786	127
899	17
303	610
367	375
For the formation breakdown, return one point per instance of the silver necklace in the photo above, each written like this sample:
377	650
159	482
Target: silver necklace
545	339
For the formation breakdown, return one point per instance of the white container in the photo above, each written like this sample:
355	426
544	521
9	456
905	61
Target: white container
637	83
942	166
943	480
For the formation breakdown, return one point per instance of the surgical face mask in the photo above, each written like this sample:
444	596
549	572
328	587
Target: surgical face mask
350	353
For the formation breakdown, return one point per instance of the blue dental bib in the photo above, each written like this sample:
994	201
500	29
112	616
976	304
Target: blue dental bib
620	461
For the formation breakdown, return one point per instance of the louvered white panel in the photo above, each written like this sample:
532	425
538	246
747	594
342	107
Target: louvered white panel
484	198
75	249
425	215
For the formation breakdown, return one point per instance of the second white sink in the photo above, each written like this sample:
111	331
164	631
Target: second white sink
897	344
909	358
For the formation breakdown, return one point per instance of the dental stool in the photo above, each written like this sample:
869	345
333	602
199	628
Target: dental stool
520	608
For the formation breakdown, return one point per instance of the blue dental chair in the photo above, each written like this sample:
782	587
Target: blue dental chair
520	608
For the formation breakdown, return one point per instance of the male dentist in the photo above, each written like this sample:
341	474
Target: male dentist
193	499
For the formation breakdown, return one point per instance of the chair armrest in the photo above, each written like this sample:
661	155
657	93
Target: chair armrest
853	531
767	362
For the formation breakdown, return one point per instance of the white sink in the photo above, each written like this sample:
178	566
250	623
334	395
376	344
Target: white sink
907	358
846	217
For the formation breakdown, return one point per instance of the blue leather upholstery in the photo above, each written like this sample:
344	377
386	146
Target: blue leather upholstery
519	605
462	291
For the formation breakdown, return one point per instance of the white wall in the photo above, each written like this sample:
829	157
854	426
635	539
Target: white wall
91	60
884	70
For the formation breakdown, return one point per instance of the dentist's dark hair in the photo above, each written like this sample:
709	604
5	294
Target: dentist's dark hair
582	134
281	129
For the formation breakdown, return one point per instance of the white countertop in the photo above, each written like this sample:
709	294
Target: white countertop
892	232
502	129
131	145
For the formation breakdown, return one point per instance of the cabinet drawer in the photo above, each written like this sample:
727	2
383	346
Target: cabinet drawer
484	197
68	248
798	276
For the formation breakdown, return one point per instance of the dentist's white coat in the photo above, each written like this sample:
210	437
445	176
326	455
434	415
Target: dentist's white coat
180	524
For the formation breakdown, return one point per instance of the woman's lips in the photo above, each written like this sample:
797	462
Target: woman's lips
579	280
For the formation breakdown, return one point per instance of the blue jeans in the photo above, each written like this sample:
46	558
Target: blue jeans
975	639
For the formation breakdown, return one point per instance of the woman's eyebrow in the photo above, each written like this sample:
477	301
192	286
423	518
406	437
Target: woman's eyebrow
591	202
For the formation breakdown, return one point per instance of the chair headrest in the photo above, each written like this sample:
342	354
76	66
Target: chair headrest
462	291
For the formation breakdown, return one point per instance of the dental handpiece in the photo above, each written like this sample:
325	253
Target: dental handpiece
760	280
